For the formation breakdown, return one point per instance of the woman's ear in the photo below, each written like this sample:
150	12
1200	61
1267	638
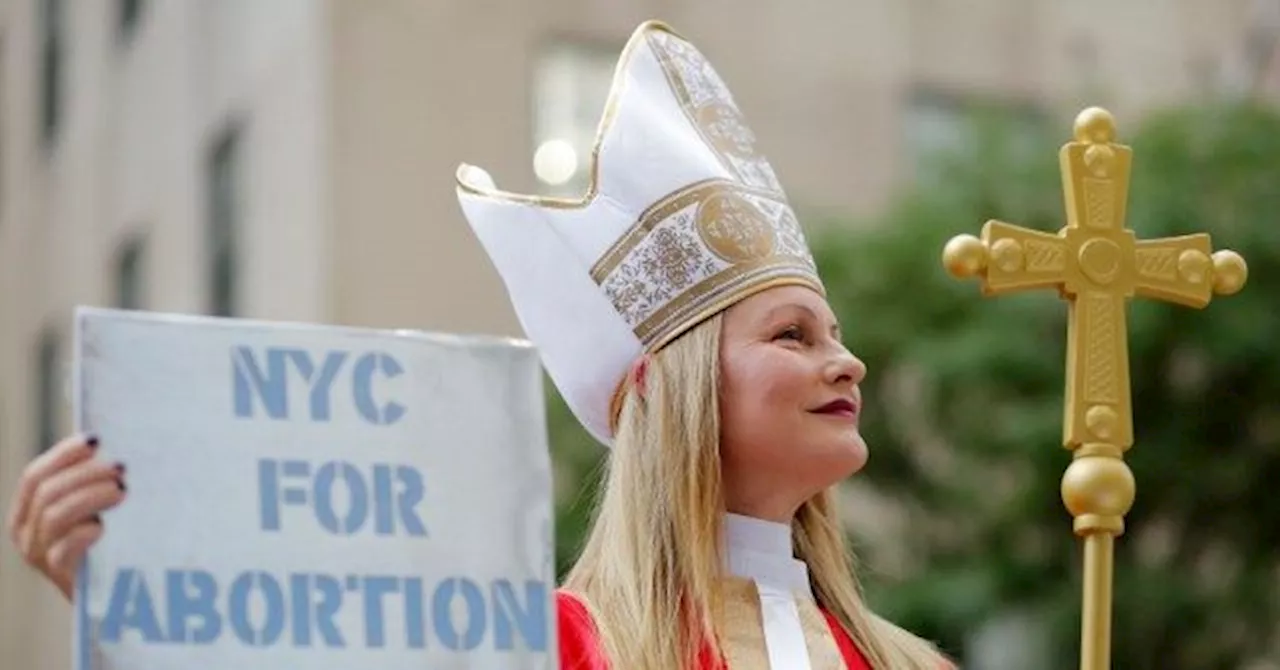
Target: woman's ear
636	377
639	371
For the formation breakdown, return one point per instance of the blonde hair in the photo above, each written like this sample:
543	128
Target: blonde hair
648	570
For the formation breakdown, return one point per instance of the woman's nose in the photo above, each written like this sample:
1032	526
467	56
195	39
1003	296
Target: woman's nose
844	367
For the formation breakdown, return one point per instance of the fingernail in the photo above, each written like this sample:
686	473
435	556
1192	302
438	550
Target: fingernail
123	488
97	518
119	468
92	441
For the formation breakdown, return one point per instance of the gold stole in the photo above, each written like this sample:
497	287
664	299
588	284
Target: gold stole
740	626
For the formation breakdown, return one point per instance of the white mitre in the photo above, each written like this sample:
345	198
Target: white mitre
682	218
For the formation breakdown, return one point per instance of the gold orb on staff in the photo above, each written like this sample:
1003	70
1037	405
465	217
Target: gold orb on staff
1097	265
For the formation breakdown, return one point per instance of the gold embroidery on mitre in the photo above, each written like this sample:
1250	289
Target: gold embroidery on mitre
709	105
697	251
733	228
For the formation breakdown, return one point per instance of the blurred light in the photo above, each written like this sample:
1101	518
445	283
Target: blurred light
555	162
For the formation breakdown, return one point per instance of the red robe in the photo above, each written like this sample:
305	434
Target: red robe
579	649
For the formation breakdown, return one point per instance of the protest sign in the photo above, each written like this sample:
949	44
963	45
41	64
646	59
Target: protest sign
314	498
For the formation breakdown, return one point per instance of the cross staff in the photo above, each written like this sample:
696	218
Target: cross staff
1097	265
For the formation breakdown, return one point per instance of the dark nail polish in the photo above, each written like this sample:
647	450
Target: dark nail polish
123	488
97	519
119	468
92	441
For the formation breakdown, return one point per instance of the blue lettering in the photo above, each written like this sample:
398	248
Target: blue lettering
270	387
301	611
396	497
374	590
268	495
185	605
130	606
357	493
383	520
307	612
271	493
300	601
266	379
320	388
273	601
330	600
415	632
406	503
362	386
531	619
441	611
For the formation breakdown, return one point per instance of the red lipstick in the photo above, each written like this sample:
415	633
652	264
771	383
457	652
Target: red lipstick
842	407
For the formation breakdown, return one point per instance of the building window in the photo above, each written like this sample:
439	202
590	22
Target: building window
48	389
127	13
224	182
571	84
130	274
51	59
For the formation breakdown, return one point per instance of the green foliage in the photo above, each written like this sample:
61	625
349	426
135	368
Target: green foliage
977	384
964	413
578	461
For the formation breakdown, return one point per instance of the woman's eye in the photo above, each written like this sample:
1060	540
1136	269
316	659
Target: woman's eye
791	333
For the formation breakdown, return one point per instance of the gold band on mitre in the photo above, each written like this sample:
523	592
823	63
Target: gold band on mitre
698	251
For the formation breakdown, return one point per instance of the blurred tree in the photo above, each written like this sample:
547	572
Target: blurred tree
964	413
578	460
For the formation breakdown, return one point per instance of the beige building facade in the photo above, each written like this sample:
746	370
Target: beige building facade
294	159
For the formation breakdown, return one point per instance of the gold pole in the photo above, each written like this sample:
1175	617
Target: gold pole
1097	265
1095	642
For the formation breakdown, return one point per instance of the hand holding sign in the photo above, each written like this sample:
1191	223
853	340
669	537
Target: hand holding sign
55	514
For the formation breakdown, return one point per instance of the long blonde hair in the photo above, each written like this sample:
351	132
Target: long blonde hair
648	570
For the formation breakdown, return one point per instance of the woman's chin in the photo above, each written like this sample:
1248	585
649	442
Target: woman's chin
840	458
856	453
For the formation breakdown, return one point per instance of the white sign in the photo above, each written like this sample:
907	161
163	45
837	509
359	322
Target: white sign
312	498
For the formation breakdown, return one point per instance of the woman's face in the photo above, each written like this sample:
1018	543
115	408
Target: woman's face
789	402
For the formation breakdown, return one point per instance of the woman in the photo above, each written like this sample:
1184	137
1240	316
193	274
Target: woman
678	310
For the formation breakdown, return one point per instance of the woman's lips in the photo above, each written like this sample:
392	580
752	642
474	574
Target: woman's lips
842	407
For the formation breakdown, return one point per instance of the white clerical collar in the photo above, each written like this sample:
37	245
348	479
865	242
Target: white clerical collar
761	551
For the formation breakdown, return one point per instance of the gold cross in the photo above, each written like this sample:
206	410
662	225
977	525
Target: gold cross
1097	264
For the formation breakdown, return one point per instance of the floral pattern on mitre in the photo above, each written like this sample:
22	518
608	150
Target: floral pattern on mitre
710	106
